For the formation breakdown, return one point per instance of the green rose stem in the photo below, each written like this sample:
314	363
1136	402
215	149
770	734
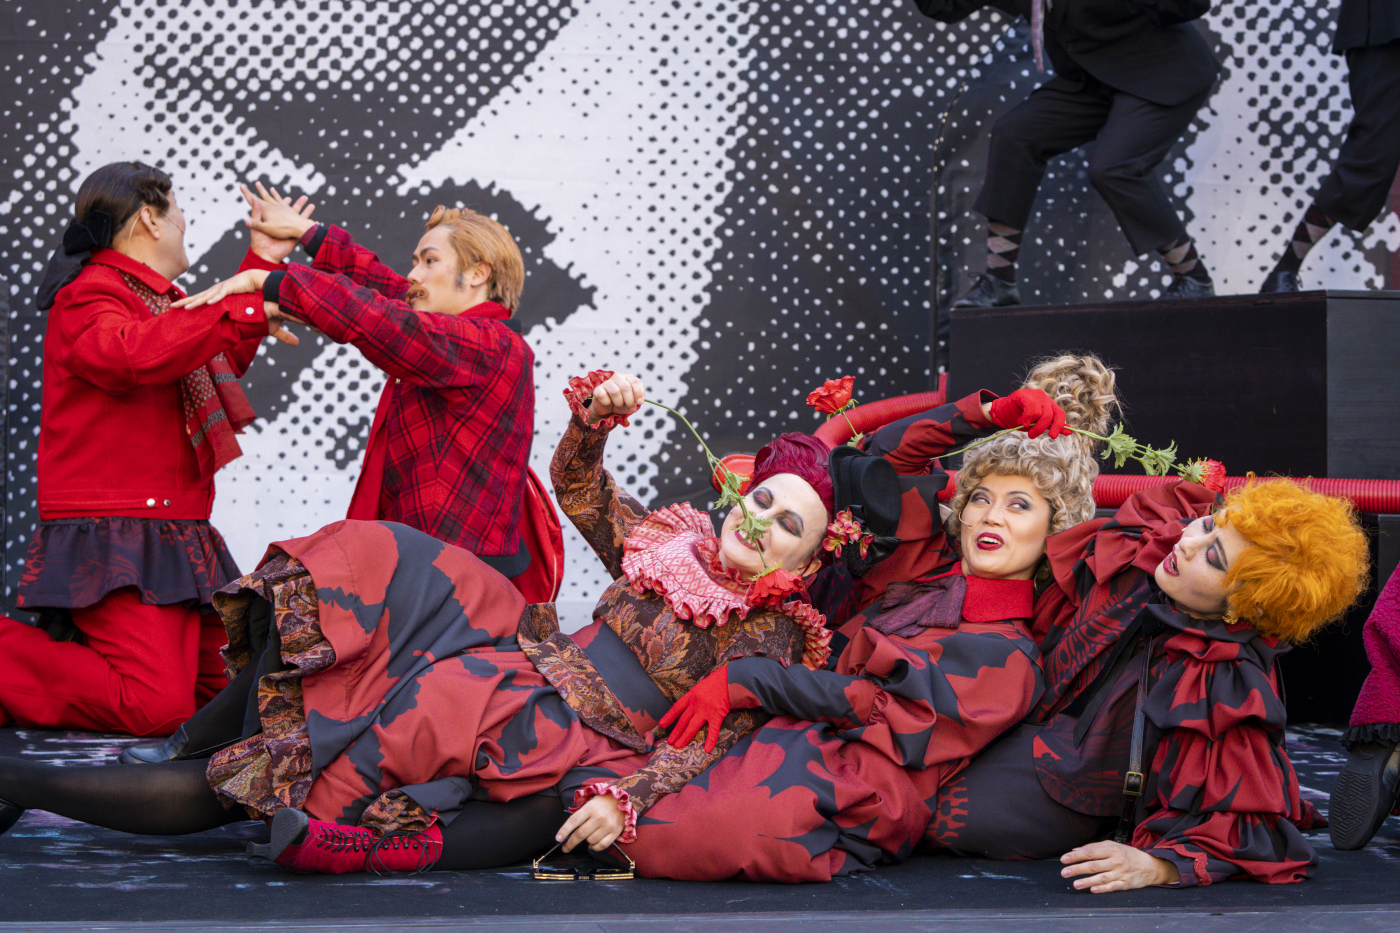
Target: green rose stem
752	527
1121	447
855	435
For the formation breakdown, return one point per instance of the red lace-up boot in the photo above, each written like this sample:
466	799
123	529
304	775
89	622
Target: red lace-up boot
308	846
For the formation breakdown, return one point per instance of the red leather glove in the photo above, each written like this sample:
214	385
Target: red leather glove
1031	409
706	704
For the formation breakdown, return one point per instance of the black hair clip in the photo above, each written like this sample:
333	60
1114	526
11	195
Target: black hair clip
598	873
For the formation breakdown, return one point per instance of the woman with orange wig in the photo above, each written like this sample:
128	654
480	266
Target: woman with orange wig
1162	723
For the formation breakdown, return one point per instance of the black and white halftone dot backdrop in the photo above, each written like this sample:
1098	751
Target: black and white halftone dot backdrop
735	200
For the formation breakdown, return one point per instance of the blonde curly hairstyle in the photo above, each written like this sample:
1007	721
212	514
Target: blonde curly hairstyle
1062	469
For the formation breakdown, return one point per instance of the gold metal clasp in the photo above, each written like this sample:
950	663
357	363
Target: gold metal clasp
599	873
1133	784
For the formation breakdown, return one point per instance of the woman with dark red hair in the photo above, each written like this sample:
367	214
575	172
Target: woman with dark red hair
412	709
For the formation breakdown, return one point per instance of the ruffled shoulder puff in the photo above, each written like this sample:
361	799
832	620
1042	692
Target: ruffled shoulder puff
581	388
673	552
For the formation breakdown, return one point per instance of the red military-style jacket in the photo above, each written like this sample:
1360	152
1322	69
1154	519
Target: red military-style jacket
112	431
450	442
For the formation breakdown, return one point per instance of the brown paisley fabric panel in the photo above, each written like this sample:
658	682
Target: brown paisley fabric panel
272	770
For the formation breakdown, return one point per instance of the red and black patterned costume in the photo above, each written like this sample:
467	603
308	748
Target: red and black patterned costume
450	443
845	776
1222	799
420	679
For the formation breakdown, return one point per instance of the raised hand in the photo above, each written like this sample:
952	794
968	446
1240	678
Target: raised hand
621	395
244	283
1031	409
275	222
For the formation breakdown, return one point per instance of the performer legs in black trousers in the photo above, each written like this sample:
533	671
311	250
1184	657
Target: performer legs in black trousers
1355	192
1131	137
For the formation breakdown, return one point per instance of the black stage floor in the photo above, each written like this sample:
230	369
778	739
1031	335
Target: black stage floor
57	874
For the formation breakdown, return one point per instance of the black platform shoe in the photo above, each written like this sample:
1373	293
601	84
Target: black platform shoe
1280	280
989	292
9	815
1185	286
175	748
1364	794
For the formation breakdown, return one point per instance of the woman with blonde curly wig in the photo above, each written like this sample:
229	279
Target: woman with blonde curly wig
1175	611
938	663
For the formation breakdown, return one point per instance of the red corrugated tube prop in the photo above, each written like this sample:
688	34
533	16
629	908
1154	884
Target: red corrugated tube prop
1113	489
873	415
1378	496
1368	495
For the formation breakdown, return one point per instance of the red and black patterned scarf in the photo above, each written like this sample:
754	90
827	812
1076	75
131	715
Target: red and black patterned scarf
215	407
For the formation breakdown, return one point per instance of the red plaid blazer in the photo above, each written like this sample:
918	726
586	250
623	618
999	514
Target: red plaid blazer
451	439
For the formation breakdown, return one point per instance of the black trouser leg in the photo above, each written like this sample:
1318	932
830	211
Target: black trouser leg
1049	122
1134	140
1355	191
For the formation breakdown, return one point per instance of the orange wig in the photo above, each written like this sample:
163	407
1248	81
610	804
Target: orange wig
1310	559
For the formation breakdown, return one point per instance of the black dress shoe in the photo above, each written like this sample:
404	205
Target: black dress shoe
989	292
1280	280
175	748
1185	286
9	815
1364	794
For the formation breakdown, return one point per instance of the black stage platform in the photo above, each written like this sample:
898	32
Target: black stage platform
56	874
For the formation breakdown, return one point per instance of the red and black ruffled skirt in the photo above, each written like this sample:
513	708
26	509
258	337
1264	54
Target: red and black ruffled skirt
74	562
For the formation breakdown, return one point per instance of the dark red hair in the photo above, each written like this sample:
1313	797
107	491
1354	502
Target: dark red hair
803	456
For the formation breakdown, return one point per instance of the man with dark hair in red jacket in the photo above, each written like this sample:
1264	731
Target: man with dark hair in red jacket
141	407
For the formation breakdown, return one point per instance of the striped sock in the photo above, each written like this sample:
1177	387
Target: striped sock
1003	249
1310	231
1181	257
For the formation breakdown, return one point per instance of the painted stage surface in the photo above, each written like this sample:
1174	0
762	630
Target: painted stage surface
53	870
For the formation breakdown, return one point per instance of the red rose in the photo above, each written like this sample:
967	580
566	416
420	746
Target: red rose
1213	476
773	587
834	395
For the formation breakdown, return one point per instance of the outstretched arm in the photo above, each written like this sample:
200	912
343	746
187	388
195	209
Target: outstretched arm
921	701
587	493
278	224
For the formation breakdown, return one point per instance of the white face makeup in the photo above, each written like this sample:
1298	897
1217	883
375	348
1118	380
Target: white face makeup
1003	530
799	525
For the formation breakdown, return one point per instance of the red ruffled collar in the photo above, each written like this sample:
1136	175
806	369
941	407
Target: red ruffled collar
674	553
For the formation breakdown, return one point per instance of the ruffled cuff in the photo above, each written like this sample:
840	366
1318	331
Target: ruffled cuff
581	388
816	637
1387	732
629	813
1191	869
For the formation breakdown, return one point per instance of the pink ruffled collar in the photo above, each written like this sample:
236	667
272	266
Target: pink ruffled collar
674	553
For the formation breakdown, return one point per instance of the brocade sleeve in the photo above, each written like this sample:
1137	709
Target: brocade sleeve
587	493
912	443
